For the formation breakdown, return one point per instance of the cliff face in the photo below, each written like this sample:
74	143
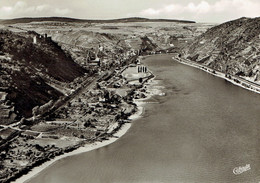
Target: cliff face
28	62
232	48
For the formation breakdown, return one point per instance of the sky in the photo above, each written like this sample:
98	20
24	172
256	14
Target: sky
208	11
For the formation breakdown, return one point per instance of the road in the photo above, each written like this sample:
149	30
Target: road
87	84
243	82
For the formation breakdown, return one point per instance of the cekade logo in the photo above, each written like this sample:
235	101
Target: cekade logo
241	169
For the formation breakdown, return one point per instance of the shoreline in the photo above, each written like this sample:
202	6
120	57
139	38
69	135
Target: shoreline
220	75
86	148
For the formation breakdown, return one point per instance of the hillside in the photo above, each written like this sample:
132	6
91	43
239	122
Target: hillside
27	67
46	63
65	19
40	78
232	48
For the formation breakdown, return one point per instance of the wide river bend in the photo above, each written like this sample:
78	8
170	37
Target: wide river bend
199	132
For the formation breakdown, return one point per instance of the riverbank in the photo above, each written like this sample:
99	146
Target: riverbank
86	148
201	136
235	80
115	134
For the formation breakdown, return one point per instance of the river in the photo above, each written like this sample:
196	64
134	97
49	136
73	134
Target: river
199	132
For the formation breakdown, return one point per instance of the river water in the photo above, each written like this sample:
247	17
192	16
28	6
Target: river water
199	132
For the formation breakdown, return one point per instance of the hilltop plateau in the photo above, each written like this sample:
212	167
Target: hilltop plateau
74	20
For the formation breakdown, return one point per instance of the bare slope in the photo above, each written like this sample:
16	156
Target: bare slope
232	47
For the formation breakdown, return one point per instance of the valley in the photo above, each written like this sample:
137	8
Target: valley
66	83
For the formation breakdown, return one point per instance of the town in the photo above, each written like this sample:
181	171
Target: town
64	85
91	108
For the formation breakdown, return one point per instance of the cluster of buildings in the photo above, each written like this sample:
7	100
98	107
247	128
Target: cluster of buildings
38	37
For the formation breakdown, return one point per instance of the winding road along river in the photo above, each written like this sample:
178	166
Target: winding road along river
199	132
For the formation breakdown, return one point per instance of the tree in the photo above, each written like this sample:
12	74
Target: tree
38	147
87	124
82	136
140	80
